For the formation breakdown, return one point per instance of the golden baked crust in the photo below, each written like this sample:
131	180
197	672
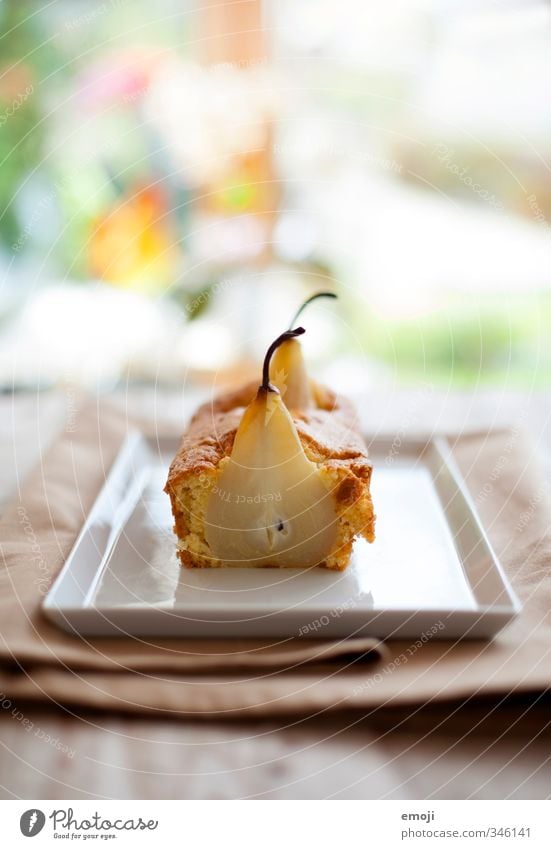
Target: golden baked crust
330	436
331	432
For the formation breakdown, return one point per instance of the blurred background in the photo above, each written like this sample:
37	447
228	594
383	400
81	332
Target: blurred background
176	177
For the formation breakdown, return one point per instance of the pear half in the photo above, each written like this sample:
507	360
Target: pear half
288	373
254	484
269	506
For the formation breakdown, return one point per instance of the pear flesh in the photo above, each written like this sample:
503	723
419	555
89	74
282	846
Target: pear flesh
269	506
288	373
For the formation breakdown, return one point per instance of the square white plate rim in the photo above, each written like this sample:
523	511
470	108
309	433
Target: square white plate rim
68	603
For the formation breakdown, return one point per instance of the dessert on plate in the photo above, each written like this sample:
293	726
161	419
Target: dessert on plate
275	475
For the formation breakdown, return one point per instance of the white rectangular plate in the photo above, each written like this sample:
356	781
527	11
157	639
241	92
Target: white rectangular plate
431	564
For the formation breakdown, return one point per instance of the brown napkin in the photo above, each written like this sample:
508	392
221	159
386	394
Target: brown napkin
40	662
36	534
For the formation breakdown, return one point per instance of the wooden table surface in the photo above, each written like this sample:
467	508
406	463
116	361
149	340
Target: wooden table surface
481	751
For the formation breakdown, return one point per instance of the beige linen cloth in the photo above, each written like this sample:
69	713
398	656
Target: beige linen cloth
39	662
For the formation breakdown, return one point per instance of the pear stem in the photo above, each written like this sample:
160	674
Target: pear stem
309	301
266	386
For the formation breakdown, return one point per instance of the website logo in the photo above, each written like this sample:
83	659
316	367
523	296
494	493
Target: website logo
32	822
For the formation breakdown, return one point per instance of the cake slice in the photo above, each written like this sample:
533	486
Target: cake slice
255	484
